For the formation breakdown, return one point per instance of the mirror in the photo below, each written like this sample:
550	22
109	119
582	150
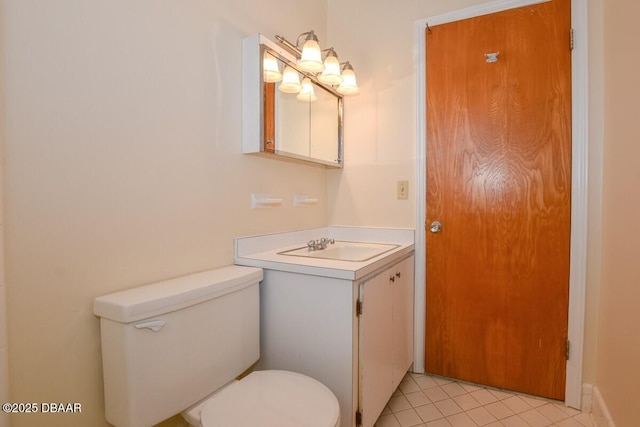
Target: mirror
305	125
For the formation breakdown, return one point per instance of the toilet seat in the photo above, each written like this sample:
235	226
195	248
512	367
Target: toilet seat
272	399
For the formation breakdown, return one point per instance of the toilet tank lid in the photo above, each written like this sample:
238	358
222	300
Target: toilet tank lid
163	297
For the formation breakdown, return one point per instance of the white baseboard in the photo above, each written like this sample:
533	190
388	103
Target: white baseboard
587	398
599	411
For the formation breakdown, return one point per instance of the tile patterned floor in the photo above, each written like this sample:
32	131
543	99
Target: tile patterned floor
429	401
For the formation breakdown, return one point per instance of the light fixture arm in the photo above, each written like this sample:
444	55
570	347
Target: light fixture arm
346	65
310	35
329	52
289	45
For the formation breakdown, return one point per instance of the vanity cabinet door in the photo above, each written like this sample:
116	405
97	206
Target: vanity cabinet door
386	336
376	356
402	336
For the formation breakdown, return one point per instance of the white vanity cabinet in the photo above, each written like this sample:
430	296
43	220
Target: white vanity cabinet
311	324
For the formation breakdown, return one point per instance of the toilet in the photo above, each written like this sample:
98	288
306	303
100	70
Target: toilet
181	345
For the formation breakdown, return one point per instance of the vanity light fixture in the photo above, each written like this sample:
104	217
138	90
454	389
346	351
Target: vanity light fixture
307	93
290	81
348	85
329	72
311	56
271	69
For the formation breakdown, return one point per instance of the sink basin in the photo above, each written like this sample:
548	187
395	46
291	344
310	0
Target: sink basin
344	251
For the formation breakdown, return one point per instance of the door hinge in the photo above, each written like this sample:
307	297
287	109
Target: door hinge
358	418
358	308
567	349
571	39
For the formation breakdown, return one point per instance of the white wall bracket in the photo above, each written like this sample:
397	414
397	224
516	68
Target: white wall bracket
261	200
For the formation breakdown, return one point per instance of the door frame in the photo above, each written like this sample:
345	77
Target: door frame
579	190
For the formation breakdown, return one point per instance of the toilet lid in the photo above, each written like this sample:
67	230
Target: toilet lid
272	398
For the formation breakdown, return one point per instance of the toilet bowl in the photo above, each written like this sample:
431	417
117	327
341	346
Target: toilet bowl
268	399
170	344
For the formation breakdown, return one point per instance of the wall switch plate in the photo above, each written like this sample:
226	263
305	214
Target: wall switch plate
403	189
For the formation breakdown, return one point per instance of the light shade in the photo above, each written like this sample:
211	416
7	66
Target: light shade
271	69
290	81
311	58
307	93
331	74
348	85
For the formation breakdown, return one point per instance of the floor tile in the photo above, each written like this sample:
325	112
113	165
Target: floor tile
417	398
534	402
431	401
500	394
439	423
453	389
535	418
407	386
425	382
399	403
466	402
441	381
461	420
552	412
569	422
481	416
470	387
516	404
499	410
429	413
571	412
514	421
484	396
448	407
436	394
387	421
584	419
408	418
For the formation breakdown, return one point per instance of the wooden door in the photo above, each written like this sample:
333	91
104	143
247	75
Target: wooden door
498	179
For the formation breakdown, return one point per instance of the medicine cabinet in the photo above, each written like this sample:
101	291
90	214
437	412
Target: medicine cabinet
304	126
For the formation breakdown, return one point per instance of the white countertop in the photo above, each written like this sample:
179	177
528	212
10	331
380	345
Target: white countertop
263	251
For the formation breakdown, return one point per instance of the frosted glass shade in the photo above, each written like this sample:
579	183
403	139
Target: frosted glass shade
311	58
348	85
290	81
307	93
271	69
331	74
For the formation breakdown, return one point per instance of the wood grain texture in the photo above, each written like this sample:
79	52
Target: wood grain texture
498	178
269	119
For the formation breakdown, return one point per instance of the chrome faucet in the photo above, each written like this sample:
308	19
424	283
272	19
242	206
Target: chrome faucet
317	245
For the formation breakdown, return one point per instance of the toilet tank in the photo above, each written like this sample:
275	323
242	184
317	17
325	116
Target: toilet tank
169	344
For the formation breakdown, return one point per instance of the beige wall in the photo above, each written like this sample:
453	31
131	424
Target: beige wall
122	136
618	361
